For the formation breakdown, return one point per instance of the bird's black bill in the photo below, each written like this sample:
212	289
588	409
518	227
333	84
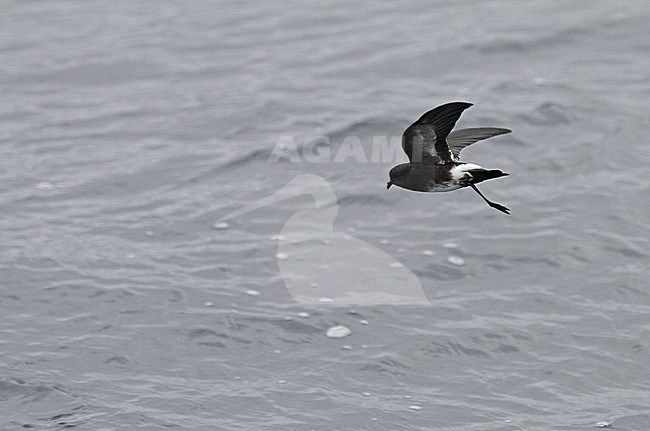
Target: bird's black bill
388	184
494	205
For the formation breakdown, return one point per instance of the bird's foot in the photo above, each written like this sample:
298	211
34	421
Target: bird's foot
500	207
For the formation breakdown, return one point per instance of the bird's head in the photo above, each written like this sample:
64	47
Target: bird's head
398	175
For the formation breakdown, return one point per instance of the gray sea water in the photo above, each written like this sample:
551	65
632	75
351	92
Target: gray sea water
128	129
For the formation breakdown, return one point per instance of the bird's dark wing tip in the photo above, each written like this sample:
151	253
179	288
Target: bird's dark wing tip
463	105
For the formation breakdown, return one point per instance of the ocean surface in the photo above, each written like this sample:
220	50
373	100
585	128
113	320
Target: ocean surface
192	196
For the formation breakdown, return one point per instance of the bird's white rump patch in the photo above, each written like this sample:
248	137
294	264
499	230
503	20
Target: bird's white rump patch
459	172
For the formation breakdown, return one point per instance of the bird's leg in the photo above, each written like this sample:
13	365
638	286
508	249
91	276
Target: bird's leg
494	205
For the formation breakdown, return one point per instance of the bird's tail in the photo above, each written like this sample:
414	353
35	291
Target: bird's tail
480	175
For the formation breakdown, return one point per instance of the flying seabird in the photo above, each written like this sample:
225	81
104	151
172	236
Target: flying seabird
434	154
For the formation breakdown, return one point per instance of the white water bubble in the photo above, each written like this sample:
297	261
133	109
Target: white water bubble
384	241
325	300
338	331
220	225
253	292
281	256
428	252
303	314
456	260
397	265
414	407
603	424
44	186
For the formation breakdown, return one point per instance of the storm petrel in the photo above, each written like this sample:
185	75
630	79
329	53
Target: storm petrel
434	154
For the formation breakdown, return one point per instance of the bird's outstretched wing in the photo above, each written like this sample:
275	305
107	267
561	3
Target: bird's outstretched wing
459	139
425	140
